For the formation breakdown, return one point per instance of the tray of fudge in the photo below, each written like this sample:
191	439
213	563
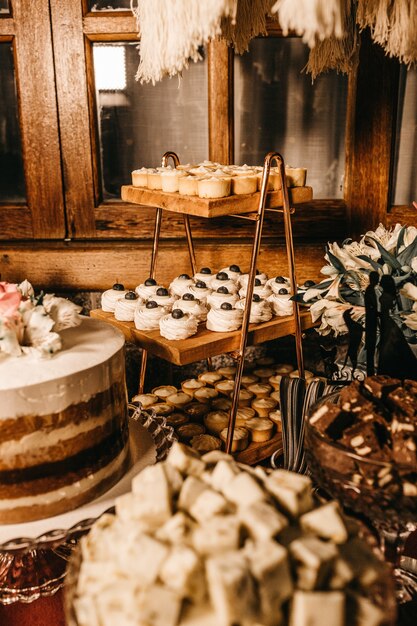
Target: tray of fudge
204	540
210	189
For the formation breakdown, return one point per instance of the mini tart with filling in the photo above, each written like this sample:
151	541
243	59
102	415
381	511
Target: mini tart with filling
248	379
177	419
245	397
260	390
227	371
264	373
284	369
275	395
214	187
265	361
221	404
225	386
205	394
216	421
275	381
296	374
263	406
275	416
146	399
196	410
187	431
260	429
244	414
162	408
179	400
205	443
191	385
244	184
240	438
210	378
164	391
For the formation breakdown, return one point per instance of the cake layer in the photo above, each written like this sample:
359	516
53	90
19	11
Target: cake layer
65	498
90	361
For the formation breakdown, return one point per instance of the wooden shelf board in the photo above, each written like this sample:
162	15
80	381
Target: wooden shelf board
205	343
206	207
257	452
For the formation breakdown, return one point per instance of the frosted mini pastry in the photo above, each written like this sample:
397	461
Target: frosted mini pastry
281	302
245	397
110	297
187	431
222	280
147	315
264	373
163	298
216	421
140	177
284	368
200	291
225	386
154	179
179	400
248	379
205	443
216	298
205	275
188	304
228	371
209	378
145	399
260	429
147	289
296	176
275	416
275	381
164	391
263	406
170	180
196	410
162	408
263	291
274	180
205	395
260	310
265	361
125	307
244	184
202	170
279	282
240	438
224	319
177	419
232	271
243	414
191	385
260	390
179	286
188	185
307	374
261	276
221	404
177	325
214	187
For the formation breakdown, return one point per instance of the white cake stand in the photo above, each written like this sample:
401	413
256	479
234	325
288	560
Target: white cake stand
34	555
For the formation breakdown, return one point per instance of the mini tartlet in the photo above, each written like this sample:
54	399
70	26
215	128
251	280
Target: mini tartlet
221	404
260	429
240	438
275	416
216	421
245	397
284	368
214	187
145	399
228	371
205	394
210	378
260	390
162	408
179	400
264	373
275	381
191	385
177	419
263	406
187	431
205	443
164	391
225	386
196	410
243	414
248	379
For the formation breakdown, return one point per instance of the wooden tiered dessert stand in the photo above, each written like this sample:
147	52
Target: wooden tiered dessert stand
205	343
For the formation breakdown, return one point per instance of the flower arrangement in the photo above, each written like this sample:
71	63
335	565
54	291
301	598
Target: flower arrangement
30	323
385	251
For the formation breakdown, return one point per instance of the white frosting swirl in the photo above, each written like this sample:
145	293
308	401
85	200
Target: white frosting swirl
261	290
146	291
125	309
193	307
148	319
223	321
259	311
281	304
275	287
215	283
243	279
170	180
231	274
166	301
200	293
205	278
179	286
109	299
175	329
216	299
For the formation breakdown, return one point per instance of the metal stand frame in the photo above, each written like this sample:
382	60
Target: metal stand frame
257	217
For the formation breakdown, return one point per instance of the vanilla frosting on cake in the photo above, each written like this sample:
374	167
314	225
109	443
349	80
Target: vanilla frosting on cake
63	424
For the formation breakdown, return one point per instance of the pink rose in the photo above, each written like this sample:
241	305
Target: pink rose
10	298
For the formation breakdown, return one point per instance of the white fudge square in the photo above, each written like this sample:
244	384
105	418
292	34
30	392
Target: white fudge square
262	520
220	533
222	474
325	522
207	504
313	561
317	608
244	490
291	491
185	460
191	489
157	606
182	571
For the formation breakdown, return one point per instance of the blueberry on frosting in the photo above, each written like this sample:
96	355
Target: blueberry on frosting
222	290
256	297
162	292
200	284
205	270
177	314
309	283
184	277
150	282
280	280
222	276
118	287
257	282
226	306
131	295
188	296
151	304
234	268
283	291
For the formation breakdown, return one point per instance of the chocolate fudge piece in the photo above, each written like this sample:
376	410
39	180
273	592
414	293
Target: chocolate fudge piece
331	420
366	439
404	448
353	400
403	401
380	386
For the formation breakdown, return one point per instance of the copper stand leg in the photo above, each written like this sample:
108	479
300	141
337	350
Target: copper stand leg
190	243
142	373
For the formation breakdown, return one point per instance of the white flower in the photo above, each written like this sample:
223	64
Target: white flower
9	336
26	289
38	325
331	314
409	291
414	264
64	313
50	344
348	255
387	238
410	233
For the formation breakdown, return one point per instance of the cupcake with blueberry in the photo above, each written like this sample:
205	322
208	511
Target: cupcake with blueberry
308	284
147	315
216	298
163	298
279	282
260	311
233	272
147	289
125	307
177	325
200	291
205	275
110	297
281	302
221	279
263	291
180	285
224	319
261	276
189	304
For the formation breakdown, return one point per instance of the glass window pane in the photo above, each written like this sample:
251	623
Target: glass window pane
405	167
138	123
4	6
12	182
109	5
278	108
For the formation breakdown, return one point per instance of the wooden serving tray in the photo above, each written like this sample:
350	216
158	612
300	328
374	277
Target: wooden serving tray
205	343
206	207
257	452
